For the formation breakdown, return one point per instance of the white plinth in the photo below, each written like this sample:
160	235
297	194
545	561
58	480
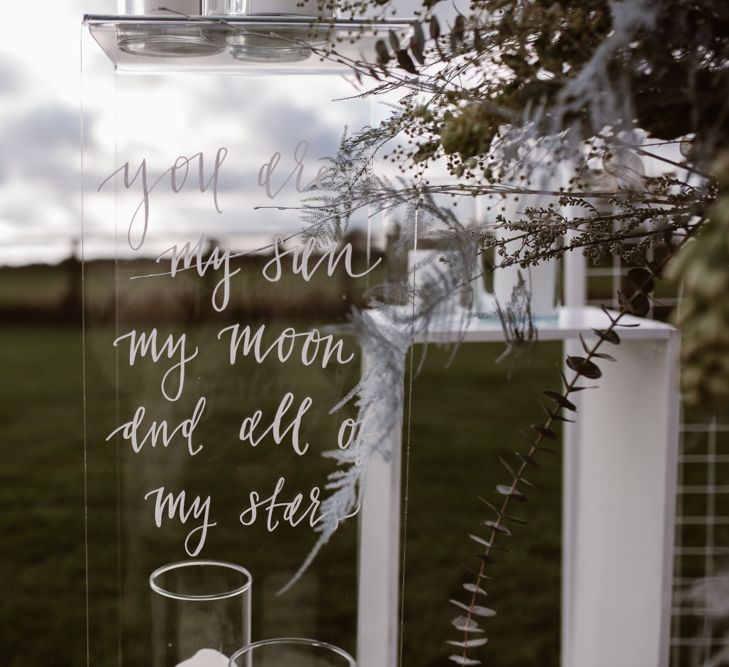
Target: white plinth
619	504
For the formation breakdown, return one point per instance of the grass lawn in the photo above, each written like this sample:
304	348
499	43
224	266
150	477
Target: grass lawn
41	495
463	417
464	414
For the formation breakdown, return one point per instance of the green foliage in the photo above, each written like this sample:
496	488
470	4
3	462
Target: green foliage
469	132
515	90
669	58
511	90
703	267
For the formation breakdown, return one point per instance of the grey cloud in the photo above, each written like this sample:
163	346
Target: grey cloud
234	179
11	79
293	124
273	111
42	145
22	216
46	126
40	148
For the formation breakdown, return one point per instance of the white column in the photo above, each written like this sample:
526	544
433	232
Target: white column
575	295
575	272
625	487
570	503
541	279
379	560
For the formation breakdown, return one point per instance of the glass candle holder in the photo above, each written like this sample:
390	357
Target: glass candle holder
165	41
282	44
201	613
290	652
152	7
312	8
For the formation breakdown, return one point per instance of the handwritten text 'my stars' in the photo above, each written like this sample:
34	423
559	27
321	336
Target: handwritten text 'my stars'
273	509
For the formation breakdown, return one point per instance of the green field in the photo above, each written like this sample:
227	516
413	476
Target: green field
465	412
463	417
42	496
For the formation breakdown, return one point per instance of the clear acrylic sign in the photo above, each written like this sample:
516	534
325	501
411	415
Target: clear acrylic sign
219	367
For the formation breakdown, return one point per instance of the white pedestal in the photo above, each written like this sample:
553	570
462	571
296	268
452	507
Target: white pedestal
619	505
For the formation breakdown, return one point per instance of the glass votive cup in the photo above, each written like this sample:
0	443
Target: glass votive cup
173	40
291	652
152	7
310	8
275	40
201	613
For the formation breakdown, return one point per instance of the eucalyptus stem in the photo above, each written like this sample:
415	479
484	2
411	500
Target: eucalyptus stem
543	432
637	303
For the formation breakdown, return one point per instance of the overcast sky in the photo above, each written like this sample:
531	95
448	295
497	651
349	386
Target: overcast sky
40	94
39	128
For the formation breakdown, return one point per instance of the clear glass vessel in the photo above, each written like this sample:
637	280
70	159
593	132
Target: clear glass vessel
152	7
288	44
167	42
290	652
201	613
313	8
172	40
